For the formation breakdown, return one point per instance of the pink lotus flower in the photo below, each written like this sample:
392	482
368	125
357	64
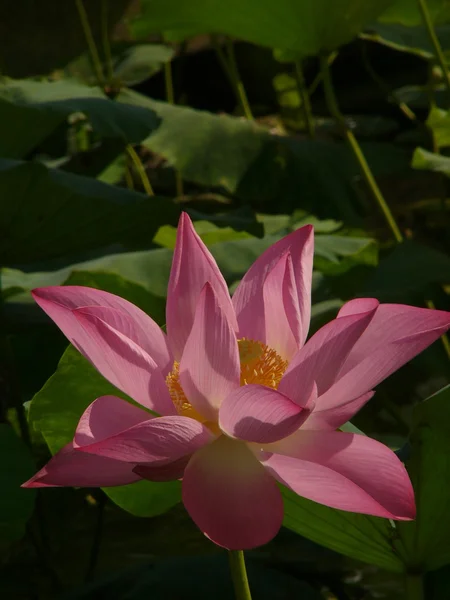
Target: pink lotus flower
245	403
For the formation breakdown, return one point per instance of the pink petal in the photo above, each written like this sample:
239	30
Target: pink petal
333	418
192	266
154	442
322	357
209	367
75	469
120	360
107	416
280	327
345	471
248	298
230	497
255	413
167	472
396	335
391	323
60	302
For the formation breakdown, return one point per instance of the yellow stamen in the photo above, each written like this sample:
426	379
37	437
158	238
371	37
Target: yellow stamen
260	364
182	404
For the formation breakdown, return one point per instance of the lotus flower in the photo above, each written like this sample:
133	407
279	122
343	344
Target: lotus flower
238	400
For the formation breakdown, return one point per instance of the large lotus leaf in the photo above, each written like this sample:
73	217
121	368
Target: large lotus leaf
407	12
410	267
47	214
304	27
262	169
359	536
150	269
426	541
31	110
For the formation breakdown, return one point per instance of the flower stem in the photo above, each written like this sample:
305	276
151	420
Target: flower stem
366	172
444	337
106	43
96	62
239	575
439	54
304	95
170	97
238	85
414	587
140	169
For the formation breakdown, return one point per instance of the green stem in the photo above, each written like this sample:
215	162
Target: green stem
224	63
238	85
318	78
106	42
366	172
170	97
96	62
444	337
414	587
140	169
390	94
239	575
306	102
439	54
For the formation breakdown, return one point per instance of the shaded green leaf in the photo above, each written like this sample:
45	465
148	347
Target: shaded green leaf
16	503
141	61
439	122
409	267
52	214
404	38
260	167
426	541
359	536
305	27
407	12
30	111
430	161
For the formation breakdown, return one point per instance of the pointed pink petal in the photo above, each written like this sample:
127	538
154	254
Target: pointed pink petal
248	298
209	367
322	357
167	472
393	322
120	360
256	413
60	302
107	416
343	470
280	327
230	497
396	335
72	468
157	442
334	418
192	266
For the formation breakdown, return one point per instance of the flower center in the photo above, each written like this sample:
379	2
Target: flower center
182	404
259	364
